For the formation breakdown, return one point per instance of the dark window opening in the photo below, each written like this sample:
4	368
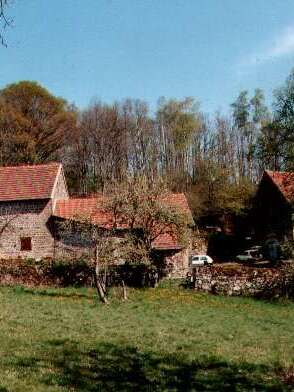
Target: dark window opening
26	243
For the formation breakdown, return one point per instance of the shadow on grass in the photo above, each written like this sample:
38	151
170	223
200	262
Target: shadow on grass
124	368
60	293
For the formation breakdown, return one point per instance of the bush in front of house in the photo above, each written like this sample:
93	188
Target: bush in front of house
288	250
44	272
282	286
73	272
70	273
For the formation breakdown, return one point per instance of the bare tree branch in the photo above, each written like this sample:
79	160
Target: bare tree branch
5	21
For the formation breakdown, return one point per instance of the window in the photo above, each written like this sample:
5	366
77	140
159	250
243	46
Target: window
26	243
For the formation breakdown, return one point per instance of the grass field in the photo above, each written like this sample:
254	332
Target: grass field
161	339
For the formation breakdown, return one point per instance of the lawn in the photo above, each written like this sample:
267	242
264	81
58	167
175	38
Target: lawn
160	339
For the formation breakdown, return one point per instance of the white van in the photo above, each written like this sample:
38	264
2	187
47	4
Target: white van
200	260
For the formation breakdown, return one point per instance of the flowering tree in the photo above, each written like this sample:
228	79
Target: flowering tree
143	208
138	215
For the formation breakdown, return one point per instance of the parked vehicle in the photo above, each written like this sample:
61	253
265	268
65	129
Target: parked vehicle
252	254
200	260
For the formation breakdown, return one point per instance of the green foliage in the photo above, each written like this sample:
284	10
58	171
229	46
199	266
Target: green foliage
288	249
241	110
282	286
219	193
161	339
181	118
276	143
234	197
271	146
260	111
69	273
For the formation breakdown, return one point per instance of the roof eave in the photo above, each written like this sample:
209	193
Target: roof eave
25	199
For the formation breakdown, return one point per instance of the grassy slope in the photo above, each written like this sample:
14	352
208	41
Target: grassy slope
162	339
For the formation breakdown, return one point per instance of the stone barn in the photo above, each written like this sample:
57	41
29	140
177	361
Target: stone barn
33	201
28	196
274	206
165	245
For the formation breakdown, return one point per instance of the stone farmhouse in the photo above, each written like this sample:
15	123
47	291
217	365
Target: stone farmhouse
33	201
274	206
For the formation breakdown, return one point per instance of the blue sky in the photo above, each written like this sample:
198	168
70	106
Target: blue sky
112	49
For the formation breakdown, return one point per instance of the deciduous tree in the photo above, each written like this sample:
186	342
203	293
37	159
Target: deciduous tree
5	21
138	214
34	124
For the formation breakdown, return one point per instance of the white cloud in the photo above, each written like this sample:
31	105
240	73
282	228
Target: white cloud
282	45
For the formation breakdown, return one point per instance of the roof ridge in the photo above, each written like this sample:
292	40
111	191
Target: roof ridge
284	182
278	171
31	165
28	182
73	197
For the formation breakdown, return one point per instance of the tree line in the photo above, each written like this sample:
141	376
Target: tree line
216	159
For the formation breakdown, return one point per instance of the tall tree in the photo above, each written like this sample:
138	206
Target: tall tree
241	109
260	112
241	113
177	122
35	121
260	118
275	147
284	119
271	147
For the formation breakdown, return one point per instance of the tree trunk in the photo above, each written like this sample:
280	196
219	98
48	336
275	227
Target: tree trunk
99	286
125	295
101	291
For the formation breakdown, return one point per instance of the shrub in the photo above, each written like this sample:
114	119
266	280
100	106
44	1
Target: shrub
282	285
70	273
288	249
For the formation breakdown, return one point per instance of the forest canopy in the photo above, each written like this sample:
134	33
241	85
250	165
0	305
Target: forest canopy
217	160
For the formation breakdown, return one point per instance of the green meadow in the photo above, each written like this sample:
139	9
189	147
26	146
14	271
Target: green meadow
163	339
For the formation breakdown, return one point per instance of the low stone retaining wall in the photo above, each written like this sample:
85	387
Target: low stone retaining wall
44	273
222	279
242	280
62	273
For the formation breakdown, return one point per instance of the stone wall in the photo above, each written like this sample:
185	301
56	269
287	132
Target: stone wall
60	190
29	219
177	263
71	242
22	219
199	242
234	280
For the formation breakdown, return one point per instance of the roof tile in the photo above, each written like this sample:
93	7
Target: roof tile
93	209
27	182
285	183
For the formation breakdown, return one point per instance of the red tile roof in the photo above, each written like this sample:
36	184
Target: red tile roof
179	200
93	209
27	182
90	209
284	182
166	241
